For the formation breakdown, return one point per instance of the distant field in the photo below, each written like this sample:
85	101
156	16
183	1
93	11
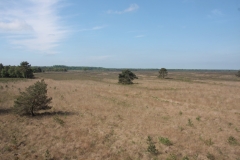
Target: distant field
189	114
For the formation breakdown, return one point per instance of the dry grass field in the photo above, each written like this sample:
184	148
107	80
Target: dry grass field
190	115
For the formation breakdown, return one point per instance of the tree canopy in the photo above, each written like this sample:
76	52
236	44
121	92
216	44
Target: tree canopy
126	77
163	72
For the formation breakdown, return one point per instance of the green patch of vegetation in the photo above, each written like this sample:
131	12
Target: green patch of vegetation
47	155
6	80
185	158
165	141
151	146
232	140
166	117
108	136
180	113
207	142
184	79
181	128
59	120
198	118
210	156
172	157
190	123
14	140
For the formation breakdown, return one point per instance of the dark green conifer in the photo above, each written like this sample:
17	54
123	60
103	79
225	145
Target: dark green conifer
126	77
33	99
163	72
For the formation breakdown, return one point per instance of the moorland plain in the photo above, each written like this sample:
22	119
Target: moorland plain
94	117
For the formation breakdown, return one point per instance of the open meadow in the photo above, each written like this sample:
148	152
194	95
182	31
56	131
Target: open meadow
191	115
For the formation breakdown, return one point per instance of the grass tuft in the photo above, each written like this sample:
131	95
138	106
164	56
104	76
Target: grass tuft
151	146
165	141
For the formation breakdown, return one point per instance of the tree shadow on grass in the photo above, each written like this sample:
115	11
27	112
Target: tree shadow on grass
55	113
4	111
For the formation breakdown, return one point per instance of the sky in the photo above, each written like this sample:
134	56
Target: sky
175	34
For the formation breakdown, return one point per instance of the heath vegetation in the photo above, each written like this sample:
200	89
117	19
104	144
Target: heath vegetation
190	115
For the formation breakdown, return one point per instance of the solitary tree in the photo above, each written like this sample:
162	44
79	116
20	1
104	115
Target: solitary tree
33	99
126	77
163	72
238	74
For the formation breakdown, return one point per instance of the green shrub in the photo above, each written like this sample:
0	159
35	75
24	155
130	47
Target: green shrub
151	146
232	140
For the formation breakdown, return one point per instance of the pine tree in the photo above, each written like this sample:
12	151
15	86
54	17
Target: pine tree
33	99
126	77
163	72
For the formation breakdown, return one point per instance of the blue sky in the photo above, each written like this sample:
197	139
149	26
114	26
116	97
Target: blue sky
175	34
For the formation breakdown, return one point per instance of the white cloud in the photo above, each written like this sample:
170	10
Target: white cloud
93	28
36	23
139	36
132	8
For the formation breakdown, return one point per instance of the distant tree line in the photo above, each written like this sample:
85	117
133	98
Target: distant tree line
55	68
24	70
63	68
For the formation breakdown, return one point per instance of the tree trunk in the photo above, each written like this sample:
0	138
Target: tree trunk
32	111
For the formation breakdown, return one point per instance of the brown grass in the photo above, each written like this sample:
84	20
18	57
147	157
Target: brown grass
93	117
